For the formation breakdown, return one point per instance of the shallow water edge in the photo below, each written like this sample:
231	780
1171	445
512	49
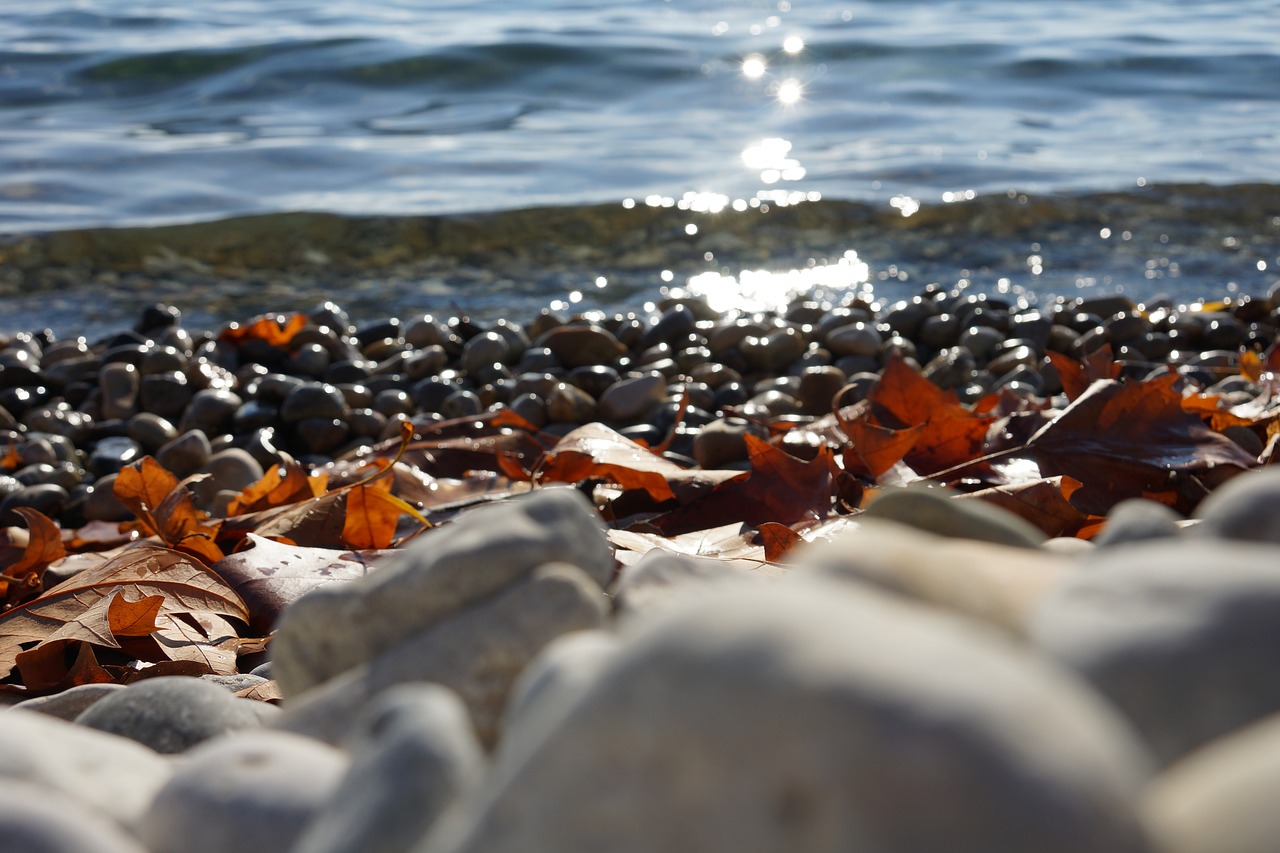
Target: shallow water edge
1186	241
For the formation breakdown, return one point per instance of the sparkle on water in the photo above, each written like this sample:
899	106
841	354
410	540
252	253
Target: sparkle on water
770	290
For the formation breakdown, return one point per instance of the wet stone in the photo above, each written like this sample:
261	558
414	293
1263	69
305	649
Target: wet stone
211	410
773	351
101	504
321	435
855	339
112	454
46	498
120	384
631	399
575	346
161	359
313	400
722	443
165	394
185	454
570	405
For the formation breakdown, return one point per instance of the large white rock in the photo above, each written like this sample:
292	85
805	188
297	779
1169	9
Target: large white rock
1183	636
813	717
339	626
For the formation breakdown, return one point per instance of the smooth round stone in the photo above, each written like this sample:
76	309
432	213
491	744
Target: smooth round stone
112	454
906	730
347	371
8	486
234	469
60	419
255	792
818	388
313	400
321	435
310	360
484	350
331	314
35	819
186	454
71	702
1243	508
255	414
101	504
165	394
1221	798
1137	520
595	379
855	339
774	350
567	404
170	714
275	387
157	318
531	407
1018	357
161	359
940	512
938	331
676	323
151	431
393	401
951	367
120	384
630	399
906	317
982	341
366	422
37	451
1181	635
722	443
210	410
45	498
424	331
576	346
461	404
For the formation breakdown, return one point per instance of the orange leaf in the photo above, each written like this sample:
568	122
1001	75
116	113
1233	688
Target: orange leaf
880	447
45	669
133	618
21	579
282	484
275	329
142	487
12	459
778	540
1077	376
1044	502
370	520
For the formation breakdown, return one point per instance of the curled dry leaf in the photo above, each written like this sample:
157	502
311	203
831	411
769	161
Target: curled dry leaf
22	578
81	608
275	329
270	575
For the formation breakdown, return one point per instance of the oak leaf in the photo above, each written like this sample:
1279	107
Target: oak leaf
22	578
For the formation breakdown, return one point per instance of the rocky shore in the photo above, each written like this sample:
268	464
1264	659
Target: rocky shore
900	666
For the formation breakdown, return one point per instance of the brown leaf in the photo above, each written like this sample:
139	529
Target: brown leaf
371	515
881	447
166	508
1045	503
80	607
778	540
142	487
595	451
1123	440
1077	376
267	691
46	669
269	576
22	578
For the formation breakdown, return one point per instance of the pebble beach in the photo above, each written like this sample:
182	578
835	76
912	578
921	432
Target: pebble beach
929	673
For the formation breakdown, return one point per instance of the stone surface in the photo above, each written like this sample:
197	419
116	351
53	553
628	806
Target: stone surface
1183	637
808	716
413	752
575	346
169	714
112	775
936	511
1137	520
556	676
338	626
72	702
1243	508
478	653
34	819
185	454
1221	798
722	443
628	400
996	584
252	792
661	576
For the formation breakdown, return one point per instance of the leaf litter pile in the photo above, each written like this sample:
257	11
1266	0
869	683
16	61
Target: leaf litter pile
178	590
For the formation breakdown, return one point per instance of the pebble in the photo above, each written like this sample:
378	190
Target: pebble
575	346
413	752
1137	520
629	400
1180	635
71	702
937	511
112	775
169	714
1243	509
185	454
812	716
252	792
34	819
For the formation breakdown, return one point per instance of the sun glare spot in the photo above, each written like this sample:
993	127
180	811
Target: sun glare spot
793	45
754	67
790	91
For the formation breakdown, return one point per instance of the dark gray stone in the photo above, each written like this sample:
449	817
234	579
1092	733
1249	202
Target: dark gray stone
1243	508
169	714
252	792
1137	520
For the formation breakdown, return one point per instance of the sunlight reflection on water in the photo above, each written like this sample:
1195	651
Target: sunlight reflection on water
772	290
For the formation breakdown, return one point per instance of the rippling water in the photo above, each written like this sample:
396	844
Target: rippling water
128	112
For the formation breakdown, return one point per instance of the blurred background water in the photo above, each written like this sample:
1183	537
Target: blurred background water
149	112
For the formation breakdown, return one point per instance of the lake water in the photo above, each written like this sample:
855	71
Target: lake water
148	112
